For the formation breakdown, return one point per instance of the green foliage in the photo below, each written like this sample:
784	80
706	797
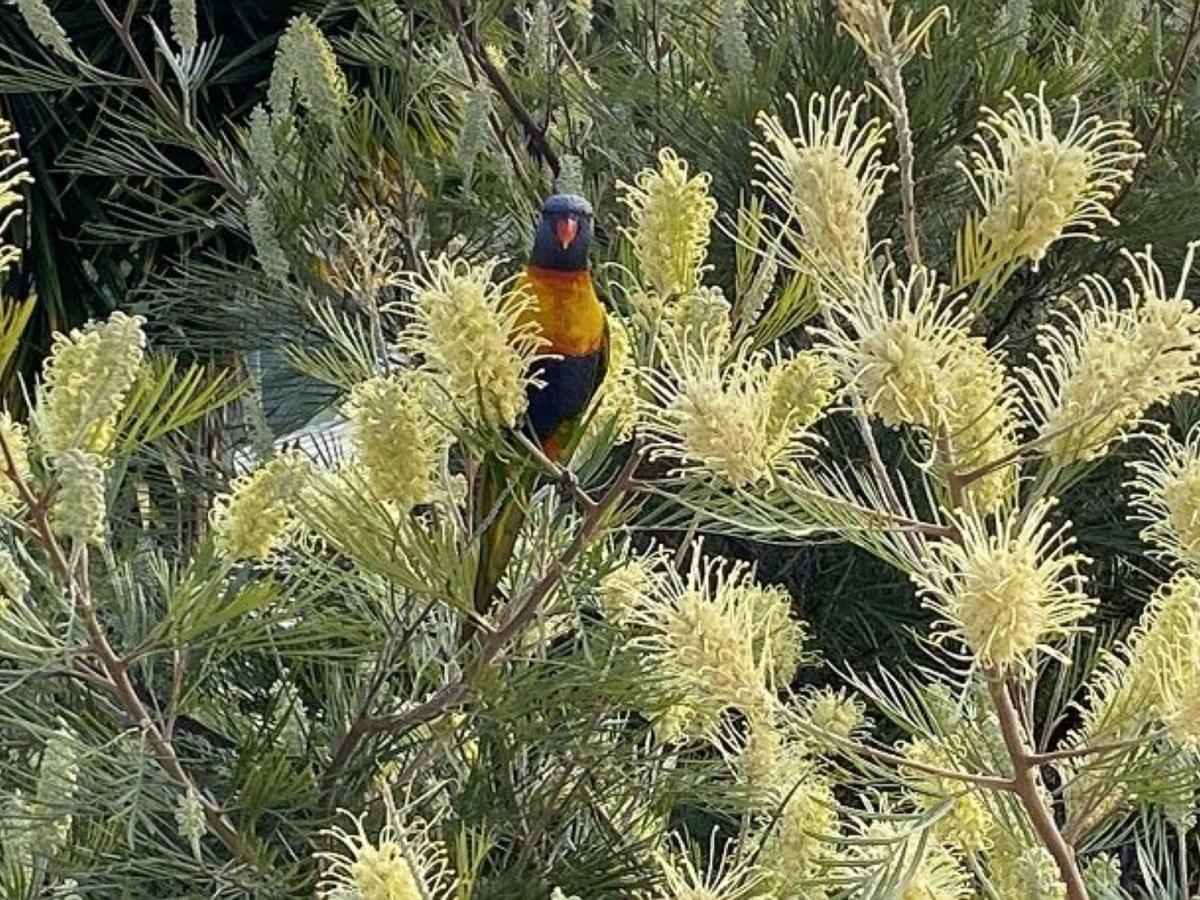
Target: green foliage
265	186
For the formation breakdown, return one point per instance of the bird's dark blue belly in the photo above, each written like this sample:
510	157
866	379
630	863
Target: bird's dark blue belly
568	385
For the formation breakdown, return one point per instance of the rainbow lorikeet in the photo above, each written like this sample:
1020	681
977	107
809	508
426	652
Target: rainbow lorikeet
575	330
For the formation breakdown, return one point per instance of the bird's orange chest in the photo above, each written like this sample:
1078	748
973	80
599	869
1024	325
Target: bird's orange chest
568	312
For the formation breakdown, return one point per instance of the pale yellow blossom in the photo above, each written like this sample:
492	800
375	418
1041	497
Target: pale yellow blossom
702	639
396	439
85	382
827	177
1103	365
477	336
79	512
728	875
405	861
1036	186
252	520
1009	588
672	214
721	416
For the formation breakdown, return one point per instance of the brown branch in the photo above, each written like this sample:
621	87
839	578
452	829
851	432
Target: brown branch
122	28
472	48
1025	785
1168	97
115	672
1094	750
494	643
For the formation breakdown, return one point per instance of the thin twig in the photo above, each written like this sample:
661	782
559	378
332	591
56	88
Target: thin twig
1164	107
472	48
116	675
123	30
493	646
1052	756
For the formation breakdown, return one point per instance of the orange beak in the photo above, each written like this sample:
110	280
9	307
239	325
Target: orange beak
565	230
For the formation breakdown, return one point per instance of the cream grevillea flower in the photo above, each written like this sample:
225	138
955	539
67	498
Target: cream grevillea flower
403	862
13	174
978	420
626	587
802	387
1037	187
826	179
16	439
1131	687
967	824
767	761
703	639
1166	494
477	336
78	511
834	712
397	440
252	519
672	213
84	384
796	845
890	341
722	416
1103	366
1008	589
728	875
1150	679
906	348
306	64
928	869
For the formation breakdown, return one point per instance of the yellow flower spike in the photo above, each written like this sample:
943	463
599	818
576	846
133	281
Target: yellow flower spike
79	512
1037	187
1104	365
704	641
477	336
979	420
396	439
1129	689
305	62
404	862
624	588
13	175
967	824
835	712
890	341
695	319
793	848
84	384
251	521
728	876
672	214
719	416
802	388
1166	495
16	438
1008	590
827	179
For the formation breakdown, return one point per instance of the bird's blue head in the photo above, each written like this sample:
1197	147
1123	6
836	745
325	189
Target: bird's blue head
564	234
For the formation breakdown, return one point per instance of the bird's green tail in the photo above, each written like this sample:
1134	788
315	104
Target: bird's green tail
501	498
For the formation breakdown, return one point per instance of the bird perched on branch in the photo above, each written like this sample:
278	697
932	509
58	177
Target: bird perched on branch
562	381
